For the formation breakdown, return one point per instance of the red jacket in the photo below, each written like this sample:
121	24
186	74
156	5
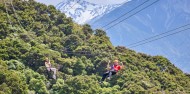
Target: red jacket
116	67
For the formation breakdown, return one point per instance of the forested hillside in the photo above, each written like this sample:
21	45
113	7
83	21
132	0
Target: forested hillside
31	32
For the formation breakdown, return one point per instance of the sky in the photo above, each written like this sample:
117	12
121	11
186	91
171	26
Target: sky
55	2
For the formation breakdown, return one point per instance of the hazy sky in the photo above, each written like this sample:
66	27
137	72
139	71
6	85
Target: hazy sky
102	2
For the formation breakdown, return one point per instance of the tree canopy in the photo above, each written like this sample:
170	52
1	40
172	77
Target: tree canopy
31	31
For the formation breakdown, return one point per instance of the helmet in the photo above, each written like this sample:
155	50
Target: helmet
116	61
46	59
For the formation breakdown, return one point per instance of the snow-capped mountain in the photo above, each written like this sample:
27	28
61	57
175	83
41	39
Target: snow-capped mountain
82	11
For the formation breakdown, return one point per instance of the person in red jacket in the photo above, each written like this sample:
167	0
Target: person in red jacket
112	70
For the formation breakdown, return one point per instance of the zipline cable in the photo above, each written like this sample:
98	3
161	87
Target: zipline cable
80	52
125	14
147	40
74	53
158	35
160	38
99	19
131	15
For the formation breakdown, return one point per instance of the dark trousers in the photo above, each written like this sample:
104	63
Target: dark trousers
107	74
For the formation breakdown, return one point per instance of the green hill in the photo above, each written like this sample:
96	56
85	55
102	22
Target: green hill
30	32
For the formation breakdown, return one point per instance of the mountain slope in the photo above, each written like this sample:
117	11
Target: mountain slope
79	53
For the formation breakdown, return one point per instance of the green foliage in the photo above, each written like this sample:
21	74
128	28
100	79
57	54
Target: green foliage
99	32
87	31
81	85
38	86
15	65
12	81
80	55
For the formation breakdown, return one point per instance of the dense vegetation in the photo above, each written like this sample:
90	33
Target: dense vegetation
35	31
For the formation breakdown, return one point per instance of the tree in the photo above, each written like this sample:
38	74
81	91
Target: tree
38	86
66	29
99	32
72	42
13	82
81	85
87	30
79	68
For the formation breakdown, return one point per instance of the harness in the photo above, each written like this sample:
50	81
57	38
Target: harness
115	68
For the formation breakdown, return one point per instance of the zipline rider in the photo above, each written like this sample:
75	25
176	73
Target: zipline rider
112	70
49	67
